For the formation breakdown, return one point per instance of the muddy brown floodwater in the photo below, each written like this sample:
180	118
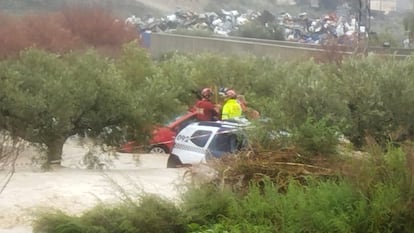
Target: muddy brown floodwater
74	189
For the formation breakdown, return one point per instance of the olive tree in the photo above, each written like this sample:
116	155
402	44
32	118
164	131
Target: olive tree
46	98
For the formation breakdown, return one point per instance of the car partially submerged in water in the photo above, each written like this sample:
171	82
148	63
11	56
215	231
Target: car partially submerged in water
201	141
162	139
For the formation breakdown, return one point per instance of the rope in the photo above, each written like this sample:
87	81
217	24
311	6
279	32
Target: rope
173	141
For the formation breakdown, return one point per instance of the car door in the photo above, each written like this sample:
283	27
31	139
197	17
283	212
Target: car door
191	144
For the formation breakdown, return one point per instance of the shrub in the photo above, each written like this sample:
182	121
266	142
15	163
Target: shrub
320	206
376	91
378	39
208	70
98	27
316	137
382	204
59	222
43	102
386	185
150	214
360	96
206	205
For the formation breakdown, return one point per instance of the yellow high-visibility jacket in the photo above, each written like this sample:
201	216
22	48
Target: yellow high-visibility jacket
231	109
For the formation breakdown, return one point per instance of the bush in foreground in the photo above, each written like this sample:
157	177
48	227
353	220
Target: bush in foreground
380	200
149	214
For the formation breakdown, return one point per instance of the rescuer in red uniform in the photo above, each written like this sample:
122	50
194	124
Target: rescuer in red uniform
205	108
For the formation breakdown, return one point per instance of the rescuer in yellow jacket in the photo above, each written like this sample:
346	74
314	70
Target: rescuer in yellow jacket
231	108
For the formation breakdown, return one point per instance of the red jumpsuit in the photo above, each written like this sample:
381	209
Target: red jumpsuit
205	110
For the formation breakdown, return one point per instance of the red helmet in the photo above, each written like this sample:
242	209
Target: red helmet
231	94
206	92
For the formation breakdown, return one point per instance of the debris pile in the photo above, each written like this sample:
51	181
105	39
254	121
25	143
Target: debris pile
341	25
221	23
280	167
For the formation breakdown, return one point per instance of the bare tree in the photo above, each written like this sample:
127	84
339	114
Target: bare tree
10	149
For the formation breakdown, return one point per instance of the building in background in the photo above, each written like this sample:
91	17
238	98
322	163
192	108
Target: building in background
403	5
314	3
285	2
376	5
384	5
391	5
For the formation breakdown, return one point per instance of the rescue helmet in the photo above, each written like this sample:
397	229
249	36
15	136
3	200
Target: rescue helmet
206	92
222	91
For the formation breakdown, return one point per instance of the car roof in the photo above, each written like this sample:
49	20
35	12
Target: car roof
181	119
216	124
220	124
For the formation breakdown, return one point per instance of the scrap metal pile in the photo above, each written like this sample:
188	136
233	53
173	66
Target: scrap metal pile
340	25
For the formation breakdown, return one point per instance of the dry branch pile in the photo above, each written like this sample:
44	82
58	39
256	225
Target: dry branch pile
280	167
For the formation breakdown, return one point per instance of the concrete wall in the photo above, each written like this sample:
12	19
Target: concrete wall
161	44
165	43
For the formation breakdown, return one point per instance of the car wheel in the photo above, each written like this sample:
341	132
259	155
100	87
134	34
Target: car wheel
158	150
173	161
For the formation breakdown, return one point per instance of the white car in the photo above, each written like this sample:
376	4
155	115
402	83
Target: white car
199	141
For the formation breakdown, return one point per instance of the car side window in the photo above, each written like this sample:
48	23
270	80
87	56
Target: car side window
200	137
226	142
